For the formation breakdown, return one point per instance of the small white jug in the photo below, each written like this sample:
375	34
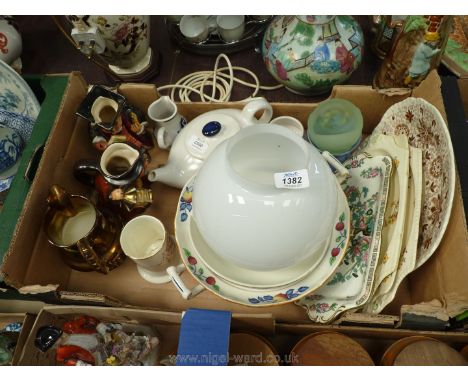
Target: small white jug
163	111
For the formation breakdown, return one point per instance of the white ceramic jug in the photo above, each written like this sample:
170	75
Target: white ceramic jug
197	140
164	113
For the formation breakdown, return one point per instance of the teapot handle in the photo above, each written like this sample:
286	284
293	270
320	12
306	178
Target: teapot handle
90	256
254	106
186	293
342	172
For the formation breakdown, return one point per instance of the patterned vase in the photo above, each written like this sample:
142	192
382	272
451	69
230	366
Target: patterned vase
416	50
126	38
310	54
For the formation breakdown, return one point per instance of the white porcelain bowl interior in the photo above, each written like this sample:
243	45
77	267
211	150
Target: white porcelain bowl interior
249	278
245	218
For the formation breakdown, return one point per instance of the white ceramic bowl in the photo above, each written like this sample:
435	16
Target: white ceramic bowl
245	218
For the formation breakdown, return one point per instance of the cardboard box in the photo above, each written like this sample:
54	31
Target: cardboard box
28	322
282	336
167	324
49	90
33	266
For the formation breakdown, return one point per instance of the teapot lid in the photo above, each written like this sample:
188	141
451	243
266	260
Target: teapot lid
208	130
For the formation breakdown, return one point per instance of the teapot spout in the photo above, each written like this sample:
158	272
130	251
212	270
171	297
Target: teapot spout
166	174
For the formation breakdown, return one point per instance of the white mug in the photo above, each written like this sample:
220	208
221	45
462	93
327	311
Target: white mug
163	111
291	123
230	27
144	240
194	28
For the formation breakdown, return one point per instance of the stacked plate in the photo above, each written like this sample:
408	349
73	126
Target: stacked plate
400	194
253	287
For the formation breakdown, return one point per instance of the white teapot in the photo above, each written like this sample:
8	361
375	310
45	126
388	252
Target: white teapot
198	139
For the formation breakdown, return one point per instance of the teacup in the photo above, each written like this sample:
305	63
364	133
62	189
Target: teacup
194	28
144	240
291	123
230	27
163	111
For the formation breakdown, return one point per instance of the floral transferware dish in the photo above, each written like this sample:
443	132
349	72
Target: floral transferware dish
392	232
351	284
410	238
425	128
189	247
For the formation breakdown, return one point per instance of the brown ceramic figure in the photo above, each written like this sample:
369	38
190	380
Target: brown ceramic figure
416	50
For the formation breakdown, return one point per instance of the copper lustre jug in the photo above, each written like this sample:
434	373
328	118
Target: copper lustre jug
88	237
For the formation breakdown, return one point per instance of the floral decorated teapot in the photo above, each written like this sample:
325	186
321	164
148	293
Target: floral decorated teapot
198	139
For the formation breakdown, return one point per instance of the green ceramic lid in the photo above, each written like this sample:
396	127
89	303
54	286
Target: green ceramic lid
335	126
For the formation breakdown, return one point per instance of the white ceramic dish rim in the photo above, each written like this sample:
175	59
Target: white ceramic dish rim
347	218
361	299
388	297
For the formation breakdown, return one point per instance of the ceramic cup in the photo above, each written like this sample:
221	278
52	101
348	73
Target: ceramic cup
163	111
291	123
144	240
194	28
231	27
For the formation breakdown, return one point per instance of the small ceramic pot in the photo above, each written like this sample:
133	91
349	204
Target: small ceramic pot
231	27
310	54
11	44
11	147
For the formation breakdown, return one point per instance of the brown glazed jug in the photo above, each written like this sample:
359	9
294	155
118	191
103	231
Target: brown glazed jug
88	238
416	50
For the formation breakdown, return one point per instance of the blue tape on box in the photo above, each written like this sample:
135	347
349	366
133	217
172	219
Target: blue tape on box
204	338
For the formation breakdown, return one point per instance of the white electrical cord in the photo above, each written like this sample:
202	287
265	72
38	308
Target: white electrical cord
220	83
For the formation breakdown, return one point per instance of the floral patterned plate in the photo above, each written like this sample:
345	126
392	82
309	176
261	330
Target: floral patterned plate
351	284
425	128
410	238
189	247
395	215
